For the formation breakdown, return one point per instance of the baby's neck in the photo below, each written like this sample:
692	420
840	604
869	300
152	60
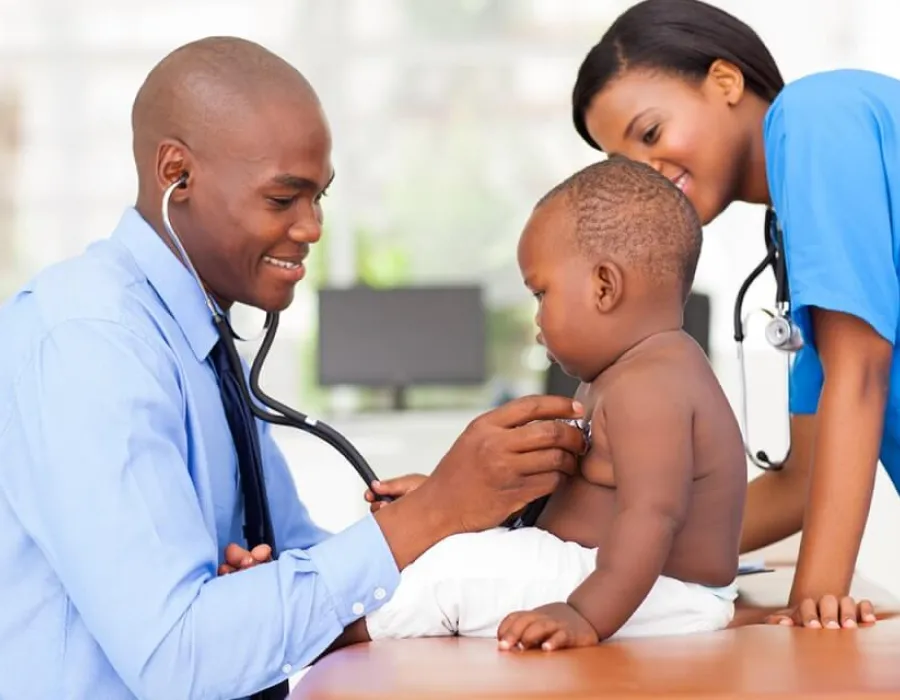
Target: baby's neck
646	345
646	324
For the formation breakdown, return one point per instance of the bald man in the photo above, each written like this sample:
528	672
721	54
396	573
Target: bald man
121	483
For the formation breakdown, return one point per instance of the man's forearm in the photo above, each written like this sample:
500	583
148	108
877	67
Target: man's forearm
414	523
278	618
354	633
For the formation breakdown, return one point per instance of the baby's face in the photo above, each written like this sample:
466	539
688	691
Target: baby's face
559	277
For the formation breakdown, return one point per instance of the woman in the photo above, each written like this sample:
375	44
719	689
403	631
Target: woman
694	92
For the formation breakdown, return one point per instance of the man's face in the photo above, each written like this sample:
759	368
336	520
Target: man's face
255	207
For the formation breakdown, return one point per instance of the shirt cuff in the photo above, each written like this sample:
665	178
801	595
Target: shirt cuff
358	568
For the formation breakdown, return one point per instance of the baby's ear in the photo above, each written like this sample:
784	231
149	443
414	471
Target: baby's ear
607	282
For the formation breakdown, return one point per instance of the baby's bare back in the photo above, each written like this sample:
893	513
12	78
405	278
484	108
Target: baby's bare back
704	547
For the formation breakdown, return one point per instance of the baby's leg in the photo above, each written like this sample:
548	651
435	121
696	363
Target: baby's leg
467	584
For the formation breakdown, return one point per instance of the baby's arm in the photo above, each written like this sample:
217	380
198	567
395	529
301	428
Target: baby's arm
648	425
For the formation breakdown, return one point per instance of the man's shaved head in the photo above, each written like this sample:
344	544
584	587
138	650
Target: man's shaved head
248	132
205	89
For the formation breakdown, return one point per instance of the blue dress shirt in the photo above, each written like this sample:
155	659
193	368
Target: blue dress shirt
119	493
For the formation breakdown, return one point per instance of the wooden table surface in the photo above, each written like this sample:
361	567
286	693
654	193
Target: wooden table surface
754	661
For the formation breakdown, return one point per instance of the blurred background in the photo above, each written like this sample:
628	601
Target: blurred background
450	119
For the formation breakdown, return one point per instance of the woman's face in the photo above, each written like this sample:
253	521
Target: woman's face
688	131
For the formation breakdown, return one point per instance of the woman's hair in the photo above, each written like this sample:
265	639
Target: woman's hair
683	37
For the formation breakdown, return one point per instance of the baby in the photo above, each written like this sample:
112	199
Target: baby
643	541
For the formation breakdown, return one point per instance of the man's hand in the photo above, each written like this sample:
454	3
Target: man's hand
237	558
550	627
507	458
395	488
503	460
828	613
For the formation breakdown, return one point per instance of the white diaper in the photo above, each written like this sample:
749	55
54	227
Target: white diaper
467	584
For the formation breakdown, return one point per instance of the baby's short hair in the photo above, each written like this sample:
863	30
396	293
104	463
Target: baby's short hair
627	209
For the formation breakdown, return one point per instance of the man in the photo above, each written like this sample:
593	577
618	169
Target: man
120	481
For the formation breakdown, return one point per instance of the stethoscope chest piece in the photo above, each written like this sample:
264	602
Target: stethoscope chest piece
584	425
783	334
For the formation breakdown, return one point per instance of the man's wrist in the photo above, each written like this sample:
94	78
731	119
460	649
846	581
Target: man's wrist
414	523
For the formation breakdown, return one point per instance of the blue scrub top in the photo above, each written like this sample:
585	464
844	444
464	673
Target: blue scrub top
833	165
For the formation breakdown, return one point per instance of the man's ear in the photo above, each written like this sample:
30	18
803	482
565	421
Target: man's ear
727	80
173	162
608	283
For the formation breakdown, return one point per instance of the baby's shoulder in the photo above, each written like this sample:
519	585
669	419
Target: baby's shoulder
674	367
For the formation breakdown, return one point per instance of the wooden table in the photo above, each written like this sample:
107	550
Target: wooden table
747	662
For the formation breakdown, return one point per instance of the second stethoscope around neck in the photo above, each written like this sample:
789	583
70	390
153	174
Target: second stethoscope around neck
780	331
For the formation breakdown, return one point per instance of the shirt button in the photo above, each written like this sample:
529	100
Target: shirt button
380	593
286	669
358	609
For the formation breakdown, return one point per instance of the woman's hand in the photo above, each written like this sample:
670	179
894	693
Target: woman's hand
828	613
395	488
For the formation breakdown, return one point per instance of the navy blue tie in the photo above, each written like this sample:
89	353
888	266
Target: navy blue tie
257	520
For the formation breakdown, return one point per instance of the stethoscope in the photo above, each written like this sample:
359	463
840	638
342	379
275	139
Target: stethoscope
781	332
274	412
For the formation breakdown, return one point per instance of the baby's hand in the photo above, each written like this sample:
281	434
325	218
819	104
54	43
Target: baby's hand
394	488
551	627
237	558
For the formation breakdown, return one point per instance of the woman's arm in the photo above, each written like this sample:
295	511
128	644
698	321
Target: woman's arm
845	445
836	209
776	499
856	362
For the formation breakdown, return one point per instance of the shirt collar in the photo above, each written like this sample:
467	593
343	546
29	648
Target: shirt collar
172	281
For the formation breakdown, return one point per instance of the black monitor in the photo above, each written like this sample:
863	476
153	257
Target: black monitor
401	337
697	319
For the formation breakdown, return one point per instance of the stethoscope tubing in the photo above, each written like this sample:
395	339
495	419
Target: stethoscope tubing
264	407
